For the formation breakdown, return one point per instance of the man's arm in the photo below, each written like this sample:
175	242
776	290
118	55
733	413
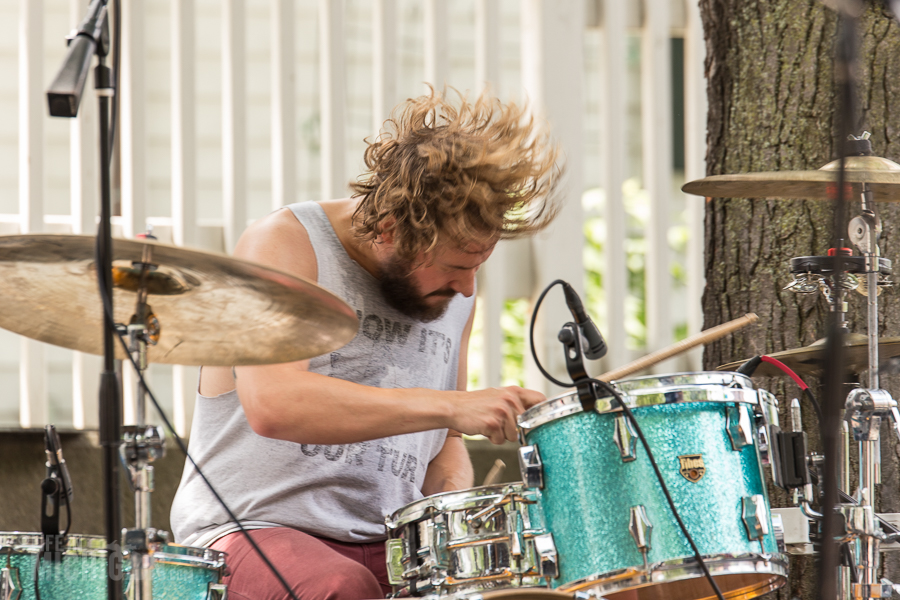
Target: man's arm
289	402
451	469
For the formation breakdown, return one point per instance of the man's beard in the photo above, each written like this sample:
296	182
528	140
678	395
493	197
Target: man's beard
401	293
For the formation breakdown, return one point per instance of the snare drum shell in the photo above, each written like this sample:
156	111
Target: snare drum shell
589	490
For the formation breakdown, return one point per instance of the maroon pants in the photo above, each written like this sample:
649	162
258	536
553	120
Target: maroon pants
315	568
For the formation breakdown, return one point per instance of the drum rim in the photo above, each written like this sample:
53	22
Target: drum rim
685	568
94	546
30	542
452	501
638	394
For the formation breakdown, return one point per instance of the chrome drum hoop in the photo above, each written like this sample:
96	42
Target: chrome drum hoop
775	566
18	542
456	544
654	390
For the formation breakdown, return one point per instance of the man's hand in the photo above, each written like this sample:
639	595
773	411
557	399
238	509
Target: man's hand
492	412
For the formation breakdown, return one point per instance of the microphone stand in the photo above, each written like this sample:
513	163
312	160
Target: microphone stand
64	96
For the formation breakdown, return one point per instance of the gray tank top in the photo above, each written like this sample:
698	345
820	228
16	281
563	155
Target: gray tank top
342	492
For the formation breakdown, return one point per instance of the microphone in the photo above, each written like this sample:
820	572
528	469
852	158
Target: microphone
595	345
56	464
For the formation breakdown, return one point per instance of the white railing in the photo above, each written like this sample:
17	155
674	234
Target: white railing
275	71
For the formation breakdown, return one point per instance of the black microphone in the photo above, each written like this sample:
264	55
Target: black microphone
596	346
56	464
64	94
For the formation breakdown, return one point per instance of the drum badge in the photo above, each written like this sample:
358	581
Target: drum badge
692	467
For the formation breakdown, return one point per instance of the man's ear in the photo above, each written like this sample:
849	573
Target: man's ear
387	231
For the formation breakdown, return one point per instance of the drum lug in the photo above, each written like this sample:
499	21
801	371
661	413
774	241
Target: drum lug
394	560
641	529
755	516
217	591
531	466
625	438
10	583
439	543
740	429
514	527
545	549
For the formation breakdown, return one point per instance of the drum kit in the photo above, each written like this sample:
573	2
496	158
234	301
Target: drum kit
590	519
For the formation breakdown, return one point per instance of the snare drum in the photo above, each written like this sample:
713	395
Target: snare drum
456	544
179	572
600	498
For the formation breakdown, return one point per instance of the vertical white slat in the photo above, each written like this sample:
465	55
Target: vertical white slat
33	400
695	168
384	61
85	203
184	382
552	66
656	115
184	140
487	44
184	169
615	118
284	152
332	105
32	105
234	122
437	47
133	117
490	288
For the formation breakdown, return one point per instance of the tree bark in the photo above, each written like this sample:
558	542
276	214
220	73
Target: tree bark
770	68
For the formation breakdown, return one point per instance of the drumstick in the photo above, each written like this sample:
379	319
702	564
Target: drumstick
495	472
704	337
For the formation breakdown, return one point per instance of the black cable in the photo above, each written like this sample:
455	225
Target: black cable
37	567
108	315
611	390
537	361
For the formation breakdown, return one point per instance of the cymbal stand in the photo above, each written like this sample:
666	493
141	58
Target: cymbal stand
865	408
143	444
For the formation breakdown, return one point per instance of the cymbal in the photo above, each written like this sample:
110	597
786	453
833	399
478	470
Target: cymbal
212	309
881	175
810	360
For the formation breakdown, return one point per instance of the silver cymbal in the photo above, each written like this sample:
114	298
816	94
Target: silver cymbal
212	309
881	175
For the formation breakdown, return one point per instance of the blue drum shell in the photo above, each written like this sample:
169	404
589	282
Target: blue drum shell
589	491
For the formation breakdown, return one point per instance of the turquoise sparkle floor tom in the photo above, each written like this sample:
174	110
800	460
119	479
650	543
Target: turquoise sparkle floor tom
469	542
599	497
179	572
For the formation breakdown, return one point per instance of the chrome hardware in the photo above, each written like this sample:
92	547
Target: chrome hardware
439	537
10	583
217	591
740	431
755	516
531	466
545	549
626	438
394	560
641	528
478	519
778	531
762	439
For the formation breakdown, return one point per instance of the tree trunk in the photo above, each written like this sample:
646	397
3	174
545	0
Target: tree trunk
772	108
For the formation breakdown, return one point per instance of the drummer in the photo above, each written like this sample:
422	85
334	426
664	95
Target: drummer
312	455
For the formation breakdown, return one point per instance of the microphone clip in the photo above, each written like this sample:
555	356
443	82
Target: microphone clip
571	339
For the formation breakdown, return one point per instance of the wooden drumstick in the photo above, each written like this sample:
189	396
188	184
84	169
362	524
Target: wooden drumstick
704	337
494	474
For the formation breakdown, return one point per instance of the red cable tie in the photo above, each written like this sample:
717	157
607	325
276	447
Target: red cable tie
787	370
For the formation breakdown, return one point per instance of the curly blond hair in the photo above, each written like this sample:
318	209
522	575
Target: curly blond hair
471	172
